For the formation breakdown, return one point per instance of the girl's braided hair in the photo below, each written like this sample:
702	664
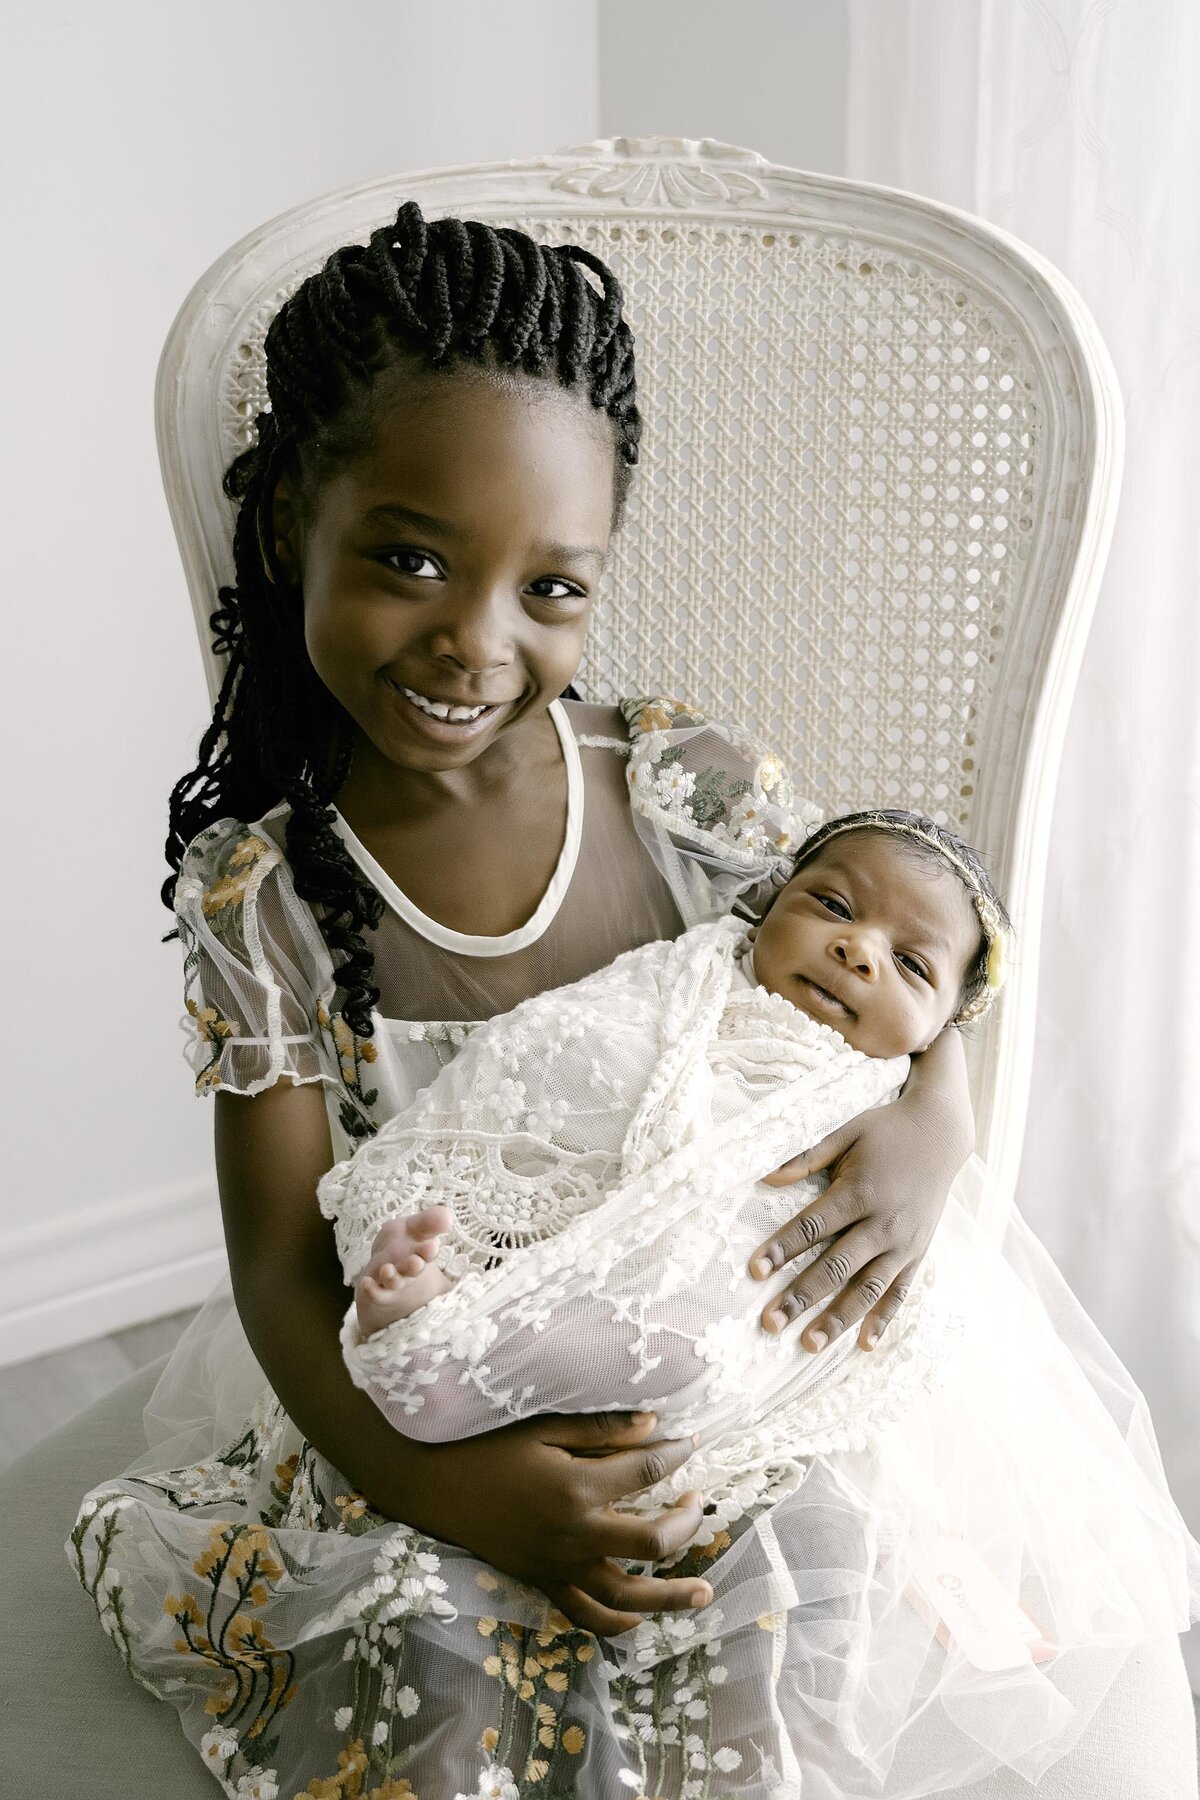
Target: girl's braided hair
445	292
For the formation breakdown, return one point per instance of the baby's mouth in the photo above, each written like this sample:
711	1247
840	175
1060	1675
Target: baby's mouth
827	1001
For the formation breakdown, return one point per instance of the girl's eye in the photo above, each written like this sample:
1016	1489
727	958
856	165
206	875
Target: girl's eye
550	587
413	562
912	965
832	904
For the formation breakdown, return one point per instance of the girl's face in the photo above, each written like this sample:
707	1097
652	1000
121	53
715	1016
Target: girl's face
448	569
872	941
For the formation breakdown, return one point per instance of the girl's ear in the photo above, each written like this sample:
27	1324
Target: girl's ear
286	533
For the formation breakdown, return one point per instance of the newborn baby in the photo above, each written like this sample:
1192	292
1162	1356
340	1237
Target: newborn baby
878	935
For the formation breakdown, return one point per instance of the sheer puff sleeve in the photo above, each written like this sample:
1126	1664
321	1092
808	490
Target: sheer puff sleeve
714	807
257	972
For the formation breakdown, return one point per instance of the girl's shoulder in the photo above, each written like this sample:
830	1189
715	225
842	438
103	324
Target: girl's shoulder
713	804
713	784
235	889
225	863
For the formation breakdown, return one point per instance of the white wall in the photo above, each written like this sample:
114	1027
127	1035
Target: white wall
769	75
141	139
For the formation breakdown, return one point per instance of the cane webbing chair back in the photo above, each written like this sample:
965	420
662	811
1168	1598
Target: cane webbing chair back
878	475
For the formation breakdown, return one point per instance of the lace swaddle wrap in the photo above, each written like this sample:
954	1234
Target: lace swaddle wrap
600	1151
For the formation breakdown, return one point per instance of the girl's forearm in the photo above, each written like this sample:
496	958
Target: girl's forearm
292	1319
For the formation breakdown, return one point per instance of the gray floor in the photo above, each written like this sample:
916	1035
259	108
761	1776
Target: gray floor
37	1397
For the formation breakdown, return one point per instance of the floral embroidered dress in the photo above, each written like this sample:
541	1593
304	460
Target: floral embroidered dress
312	1648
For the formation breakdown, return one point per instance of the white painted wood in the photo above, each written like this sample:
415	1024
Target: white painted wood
832	425
124	1262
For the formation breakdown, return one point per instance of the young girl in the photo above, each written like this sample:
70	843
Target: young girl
421	528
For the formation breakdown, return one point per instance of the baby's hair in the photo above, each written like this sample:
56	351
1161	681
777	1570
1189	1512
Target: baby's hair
435	294
927	841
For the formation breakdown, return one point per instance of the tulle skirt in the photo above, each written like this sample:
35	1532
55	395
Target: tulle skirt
953	1595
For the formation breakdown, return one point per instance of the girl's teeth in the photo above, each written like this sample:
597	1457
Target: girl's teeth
437	709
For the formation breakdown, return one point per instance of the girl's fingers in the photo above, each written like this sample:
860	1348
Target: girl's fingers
648	1540
595	1434
832	1212
880	1317
821	1156
852	1272
612	1477
626	1593
588	1614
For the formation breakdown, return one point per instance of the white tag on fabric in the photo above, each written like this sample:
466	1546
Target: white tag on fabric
958	1594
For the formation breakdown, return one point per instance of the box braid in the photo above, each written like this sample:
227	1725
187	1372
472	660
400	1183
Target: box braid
445	292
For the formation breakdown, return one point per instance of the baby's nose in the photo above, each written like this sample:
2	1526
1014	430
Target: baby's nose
858	954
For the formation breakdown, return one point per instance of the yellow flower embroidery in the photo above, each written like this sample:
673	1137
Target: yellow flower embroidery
486	1626
490	1739
351	1506
255	1541
230	889
573	1740
721	1541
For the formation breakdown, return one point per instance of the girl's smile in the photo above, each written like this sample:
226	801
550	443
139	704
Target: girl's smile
448	570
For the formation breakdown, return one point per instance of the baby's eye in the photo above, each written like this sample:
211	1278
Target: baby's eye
912	965
551	587
413	562
832	904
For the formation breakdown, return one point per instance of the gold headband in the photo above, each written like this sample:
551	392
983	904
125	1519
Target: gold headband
996	936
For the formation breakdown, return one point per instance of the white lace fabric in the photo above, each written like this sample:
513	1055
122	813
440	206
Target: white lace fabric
600	1150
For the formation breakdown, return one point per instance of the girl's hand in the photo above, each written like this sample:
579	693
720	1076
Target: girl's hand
891	1172
535	1500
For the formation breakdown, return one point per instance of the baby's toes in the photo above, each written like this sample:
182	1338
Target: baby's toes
429	1223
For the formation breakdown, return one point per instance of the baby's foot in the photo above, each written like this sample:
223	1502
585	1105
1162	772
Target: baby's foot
403	1272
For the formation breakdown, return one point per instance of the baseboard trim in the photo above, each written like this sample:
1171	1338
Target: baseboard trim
63	1281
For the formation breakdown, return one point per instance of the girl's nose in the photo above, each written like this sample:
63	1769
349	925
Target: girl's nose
476	635
856	952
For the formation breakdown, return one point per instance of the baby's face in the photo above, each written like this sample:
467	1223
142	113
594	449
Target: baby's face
872	940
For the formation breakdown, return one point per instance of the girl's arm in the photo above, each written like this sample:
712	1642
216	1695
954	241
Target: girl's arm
534	1499
891	1172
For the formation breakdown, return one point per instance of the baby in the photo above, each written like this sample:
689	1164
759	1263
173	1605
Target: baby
887	930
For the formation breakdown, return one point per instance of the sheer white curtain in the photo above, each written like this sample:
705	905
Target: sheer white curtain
1074	125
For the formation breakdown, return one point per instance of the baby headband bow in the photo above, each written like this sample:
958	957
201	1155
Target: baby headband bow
996	930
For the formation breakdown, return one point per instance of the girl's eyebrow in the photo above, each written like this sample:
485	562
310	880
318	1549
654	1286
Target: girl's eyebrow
419	521
406	515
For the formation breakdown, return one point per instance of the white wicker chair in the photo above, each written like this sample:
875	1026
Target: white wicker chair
881	463
879	478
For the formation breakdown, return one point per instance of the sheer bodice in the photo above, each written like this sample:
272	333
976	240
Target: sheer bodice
606	896
668	820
